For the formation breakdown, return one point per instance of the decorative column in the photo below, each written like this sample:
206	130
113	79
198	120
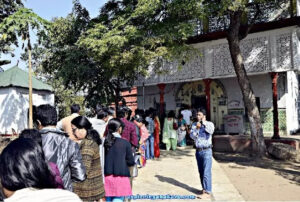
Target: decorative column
207	95
274	76
161	87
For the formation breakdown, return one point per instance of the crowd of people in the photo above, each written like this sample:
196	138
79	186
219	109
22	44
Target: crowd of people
91	159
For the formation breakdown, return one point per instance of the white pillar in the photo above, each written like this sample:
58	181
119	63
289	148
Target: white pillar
291	102
298	7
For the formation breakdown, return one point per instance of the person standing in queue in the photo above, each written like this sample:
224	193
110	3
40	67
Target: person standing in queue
118	159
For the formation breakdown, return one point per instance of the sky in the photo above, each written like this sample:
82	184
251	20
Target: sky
48	9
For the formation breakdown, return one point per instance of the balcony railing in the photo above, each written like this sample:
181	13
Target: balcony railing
271	11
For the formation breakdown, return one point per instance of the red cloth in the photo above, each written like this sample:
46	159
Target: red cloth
117	186
156	137
55	172
129	132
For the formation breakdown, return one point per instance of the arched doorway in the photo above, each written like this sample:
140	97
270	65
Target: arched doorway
193	94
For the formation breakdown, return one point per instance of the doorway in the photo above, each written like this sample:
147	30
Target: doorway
193	94
198	102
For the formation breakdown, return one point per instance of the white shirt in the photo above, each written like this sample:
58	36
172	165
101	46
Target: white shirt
187	116
99	125
43	195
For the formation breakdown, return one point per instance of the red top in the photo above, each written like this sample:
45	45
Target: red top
129	132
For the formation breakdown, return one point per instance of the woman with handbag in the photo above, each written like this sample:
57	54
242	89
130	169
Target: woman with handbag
169	132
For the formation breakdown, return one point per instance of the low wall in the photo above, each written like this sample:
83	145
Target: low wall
240	143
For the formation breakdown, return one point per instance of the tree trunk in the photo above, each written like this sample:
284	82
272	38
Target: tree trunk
117	98
233	37
30	122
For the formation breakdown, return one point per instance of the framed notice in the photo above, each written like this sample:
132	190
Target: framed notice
234	124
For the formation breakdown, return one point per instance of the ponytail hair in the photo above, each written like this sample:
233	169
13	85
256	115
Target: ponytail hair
93	135
112	126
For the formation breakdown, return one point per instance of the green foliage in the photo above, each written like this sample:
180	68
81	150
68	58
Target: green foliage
223	8
67	67
64	98
128	36
7	8
99	56
20	24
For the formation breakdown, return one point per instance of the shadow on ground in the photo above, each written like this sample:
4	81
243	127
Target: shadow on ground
287	170
179	153
178	184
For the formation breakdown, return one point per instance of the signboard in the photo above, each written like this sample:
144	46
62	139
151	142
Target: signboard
234	124
222	101
234	104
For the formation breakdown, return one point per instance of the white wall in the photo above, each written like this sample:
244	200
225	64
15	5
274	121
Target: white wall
291	102
263	52
14	107
261	84
39	97
11	108
152	93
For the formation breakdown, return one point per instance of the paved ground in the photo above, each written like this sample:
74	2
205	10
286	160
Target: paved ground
176	173
264	179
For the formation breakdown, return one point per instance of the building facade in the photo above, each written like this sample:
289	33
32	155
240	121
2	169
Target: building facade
14	99
271	55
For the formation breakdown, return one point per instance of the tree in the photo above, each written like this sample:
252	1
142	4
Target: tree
98	57
65	98
7	8
234	36
160	27
128	36
20	24
240	16
73	75
67	66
